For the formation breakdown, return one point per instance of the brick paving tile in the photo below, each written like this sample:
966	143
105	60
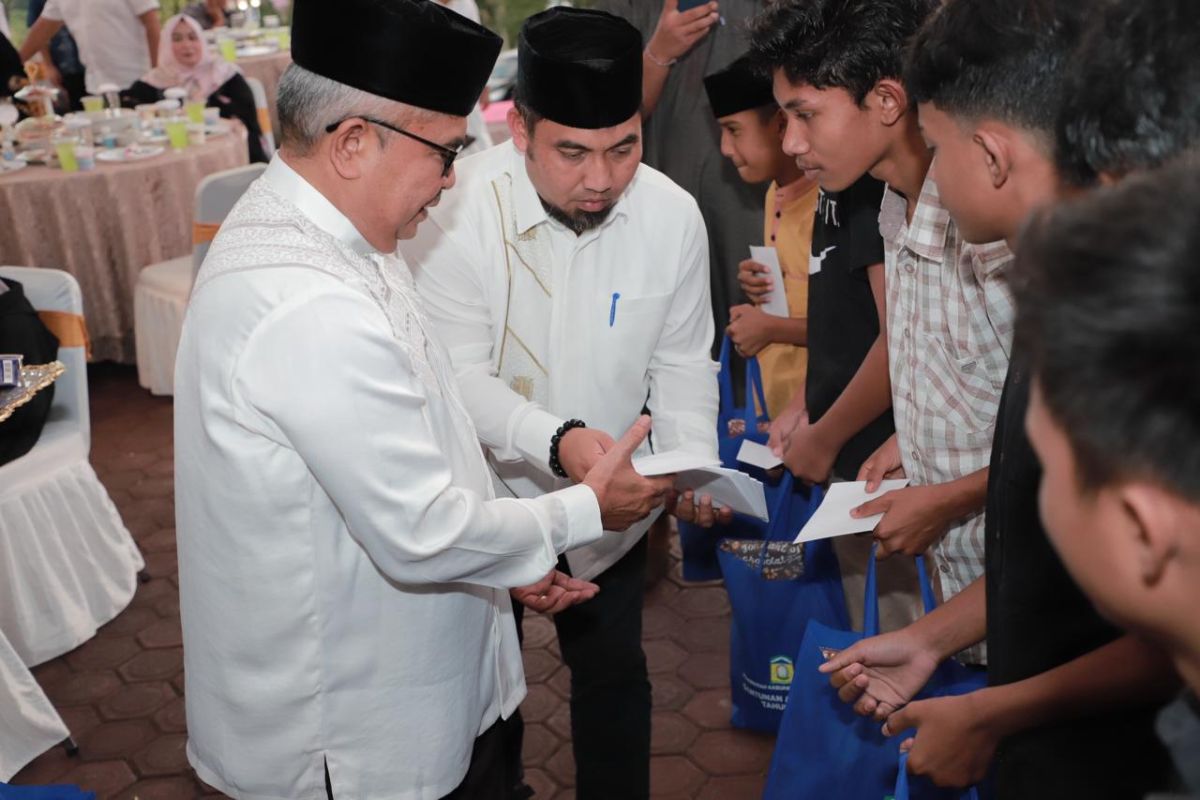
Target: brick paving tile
659	622
164	756
178	787
710	708
539	665
79	719
560	722
541	783
131	621
115	739
105	778
539	703
668	692
707	602
172	718
164	633
82	688
136	700
732	752
674	775
735	788
704	635
560	682
706	670
153	665
161	541
561	766
540	743
538	630
102	653
671	733
663	656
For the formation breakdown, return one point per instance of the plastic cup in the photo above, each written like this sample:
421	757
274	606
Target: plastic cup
64	147
93	103
212	116
228	49
146	115
85	157
195	133
195	111
177	133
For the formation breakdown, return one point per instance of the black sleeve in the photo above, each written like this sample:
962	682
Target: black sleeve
140	92
21	331
859	237
236	101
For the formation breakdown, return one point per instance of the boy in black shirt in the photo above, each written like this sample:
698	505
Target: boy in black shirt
1068	692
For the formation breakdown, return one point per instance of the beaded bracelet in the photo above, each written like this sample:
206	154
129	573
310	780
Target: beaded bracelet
670	62
556	465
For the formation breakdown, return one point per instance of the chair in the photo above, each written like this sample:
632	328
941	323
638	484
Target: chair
29	725
67	563
161	294
264	114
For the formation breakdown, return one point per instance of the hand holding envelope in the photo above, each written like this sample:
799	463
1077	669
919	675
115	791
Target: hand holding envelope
703	476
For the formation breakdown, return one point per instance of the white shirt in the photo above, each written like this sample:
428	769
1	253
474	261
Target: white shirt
342	576
603	368
111	38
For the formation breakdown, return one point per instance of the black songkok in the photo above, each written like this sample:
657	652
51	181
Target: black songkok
738	88
580	68
413	51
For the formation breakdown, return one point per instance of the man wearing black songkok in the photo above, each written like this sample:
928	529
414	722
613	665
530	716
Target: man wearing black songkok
344	572
570	283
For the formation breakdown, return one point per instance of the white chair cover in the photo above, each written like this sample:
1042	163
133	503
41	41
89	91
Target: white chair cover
264	114
161	294
67	563
29	725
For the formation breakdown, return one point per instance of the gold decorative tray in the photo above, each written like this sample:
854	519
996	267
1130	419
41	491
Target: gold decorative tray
34	378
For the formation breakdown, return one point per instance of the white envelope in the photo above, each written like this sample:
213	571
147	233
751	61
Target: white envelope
758	455
728	488
833	518
671	461
777	306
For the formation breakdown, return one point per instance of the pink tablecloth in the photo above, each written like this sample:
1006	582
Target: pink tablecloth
103	226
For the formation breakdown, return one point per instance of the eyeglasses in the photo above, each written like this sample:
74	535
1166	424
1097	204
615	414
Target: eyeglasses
448	154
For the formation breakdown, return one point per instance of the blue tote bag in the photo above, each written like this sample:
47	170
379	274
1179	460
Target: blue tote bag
826	750
775	589
921	787
735	424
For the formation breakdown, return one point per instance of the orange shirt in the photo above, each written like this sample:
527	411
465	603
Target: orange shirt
788	228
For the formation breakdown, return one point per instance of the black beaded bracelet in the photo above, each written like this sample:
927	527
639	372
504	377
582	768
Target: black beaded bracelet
556	465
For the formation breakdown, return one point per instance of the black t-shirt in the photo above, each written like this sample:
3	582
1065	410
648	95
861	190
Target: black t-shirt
22	333
843	321
1038	619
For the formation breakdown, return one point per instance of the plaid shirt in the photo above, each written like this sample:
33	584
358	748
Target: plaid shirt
950	321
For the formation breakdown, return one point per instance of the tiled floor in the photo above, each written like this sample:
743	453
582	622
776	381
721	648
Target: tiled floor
121	693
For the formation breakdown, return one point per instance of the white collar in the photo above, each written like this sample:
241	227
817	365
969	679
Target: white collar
314	205
527	205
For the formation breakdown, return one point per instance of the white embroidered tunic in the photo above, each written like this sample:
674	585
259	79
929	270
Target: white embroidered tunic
543	325
342	571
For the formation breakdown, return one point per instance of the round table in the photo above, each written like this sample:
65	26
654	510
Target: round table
268	69
103	226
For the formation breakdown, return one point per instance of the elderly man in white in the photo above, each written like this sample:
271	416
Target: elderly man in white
344	576
571	286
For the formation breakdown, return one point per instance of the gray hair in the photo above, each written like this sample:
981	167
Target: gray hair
309	103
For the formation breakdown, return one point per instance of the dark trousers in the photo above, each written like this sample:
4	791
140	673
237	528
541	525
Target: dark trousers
601	643
489	775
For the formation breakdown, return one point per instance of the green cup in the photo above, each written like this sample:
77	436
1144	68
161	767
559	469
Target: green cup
65	148
228	48
195	111
177	133
284	37
93	103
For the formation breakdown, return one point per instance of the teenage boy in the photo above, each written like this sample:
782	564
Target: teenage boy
1113	413
1066	691
949	312
751	138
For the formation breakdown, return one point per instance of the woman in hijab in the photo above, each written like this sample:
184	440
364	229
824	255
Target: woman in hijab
186	60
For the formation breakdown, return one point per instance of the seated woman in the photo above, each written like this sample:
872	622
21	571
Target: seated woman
185	60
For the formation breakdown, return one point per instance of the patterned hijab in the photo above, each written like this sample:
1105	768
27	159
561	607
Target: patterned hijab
201	80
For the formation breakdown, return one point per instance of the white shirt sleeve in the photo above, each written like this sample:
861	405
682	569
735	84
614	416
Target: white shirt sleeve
52	11
139	7
323	375
683	387
515	429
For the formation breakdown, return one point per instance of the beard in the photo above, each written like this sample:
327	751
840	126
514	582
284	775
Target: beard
580	221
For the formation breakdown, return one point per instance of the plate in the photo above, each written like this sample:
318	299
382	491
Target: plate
13	166
135	153
220	129
154	138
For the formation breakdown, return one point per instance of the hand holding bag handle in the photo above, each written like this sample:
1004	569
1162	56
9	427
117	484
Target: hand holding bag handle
901	791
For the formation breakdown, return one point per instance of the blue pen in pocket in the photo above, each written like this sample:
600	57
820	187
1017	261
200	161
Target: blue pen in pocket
612	310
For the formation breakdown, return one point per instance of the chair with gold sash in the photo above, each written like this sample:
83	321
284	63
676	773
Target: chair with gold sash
67	563
161	294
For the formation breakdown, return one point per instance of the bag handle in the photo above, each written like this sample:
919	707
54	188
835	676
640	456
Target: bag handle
725	378
781	516
871	593
754	388
901	791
